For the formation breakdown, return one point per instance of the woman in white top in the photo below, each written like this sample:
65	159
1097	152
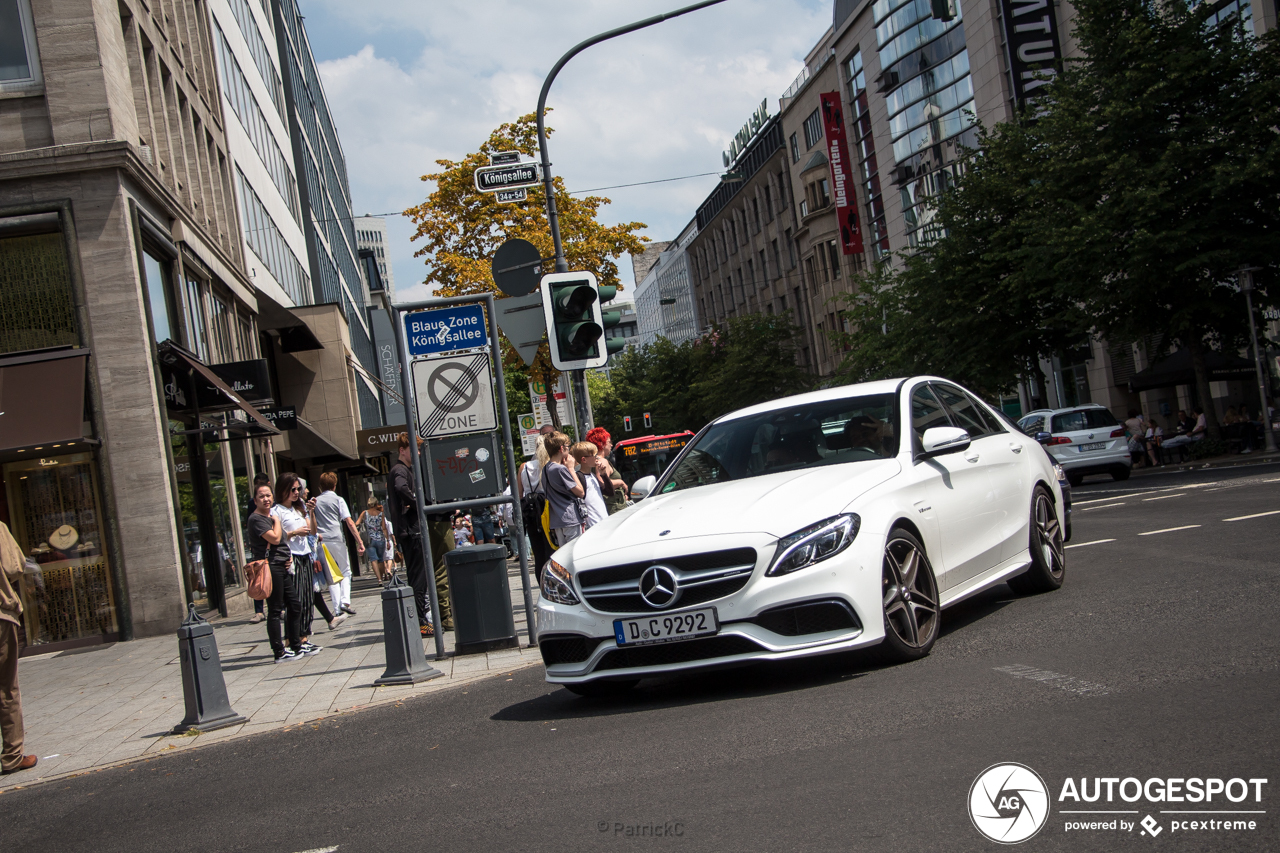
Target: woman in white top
297	522
1155	437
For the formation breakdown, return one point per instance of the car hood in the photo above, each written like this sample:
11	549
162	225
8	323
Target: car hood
776	504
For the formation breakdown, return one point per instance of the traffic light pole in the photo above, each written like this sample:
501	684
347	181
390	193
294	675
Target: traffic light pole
582	408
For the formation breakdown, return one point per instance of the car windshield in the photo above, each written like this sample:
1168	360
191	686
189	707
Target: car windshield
854	429
1084	419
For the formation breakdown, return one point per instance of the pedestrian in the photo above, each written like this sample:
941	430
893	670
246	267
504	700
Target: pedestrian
1155	437
1195	433
268	541
299	526
374	522
331	513
12	563
593	500
531	495
461	534
564	491
402	502
1136	431
259	479
615	500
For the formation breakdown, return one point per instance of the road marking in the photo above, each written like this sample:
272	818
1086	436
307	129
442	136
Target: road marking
1056	679
321	849
1276	480
1164	497
1091	811
1168	530
1255	515
1101	500
1211	811
1094	542
1108	506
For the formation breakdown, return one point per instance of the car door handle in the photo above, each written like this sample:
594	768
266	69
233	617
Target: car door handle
971	458
1016	448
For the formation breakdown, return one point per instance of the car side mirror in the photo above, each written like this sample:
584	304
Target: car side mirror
939	441
1043	437
641	488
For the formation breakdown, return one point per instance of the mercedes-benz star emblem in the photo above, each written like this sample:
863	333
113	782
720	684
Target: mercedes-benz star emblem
659	587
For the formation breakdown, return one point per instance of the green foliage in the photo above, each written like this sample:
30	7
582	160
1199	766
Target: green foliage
685	386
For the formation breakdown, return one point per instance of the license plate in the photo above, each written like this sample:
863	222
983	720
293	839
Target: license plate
666	628
1085	448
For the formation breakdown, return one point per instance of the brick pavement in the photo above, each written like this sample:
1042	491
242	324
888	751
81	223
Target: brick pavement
91	708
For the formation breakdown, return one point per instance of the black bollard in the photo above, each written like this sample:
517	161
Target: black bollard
203	688
406	662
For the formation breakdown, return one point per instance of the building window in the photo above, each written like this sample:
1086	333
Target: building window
197	322
835	259
777	258
768	202
755	212
159	276
19	58
36	310
791	250
812	130
795	149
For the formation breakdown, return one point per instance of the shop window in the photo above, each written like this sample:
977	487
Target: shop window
55	517
36	310
197	325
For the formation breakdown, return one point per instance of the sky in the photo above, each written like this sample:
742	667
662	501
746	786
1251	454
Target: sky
413	81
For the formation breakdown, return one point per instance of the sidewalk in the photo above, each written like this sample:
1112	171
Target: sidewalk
1227	460
105	705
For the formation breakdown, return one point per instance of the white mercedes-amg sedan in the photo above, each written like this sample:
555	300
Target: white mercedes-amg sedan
818	523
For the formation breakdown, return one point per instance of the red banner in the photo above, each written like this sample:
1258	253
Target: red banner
842	191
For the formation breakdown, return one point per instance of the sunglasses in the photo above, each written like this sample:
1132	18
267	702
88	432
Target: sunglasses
296	489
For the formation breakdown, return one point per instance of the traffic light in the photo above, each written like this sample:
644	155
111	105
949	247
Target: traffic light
575	323
609	319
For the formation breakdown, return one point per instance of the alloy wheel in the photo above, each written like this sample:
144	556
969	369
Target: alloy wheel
910	594
1049	536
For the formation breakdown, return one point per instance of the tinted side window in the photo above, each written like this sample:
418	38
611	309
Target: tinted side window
967	414
1032	425
926	412
1070	422
1099	418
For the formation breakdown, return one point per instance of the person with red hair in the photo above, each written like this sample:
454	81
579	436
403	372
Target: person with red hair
612	486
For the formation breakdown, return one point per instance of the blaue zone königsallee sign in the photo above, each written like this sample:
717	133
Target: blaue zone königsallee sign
446	329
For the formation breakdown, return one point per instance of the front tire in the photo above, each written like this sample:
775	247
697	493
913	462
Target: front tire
910	594
1048	555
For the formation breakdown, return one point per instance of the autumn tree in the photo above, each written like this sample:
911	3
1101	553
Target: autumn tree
461	228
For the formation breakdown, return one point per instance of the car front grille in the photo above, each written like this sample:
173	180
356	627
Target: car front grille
565	648
702	577
665	654
810	617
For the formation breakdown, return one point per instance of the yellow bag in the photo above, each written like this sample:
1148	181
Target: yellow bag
546	520
335	573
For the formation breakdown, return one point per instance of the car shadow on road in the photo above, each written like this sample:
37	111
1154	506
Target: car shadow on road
980	606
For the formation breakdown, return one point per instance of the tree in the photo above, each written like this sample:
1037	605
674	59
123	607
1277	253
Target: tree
461	228
751	359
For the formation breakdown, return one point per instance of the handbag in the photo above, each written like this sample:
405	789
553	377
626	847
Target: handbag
257	575
335	573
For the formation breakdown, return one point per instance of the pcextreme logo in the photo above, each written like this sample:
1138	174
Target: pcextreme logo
1008	803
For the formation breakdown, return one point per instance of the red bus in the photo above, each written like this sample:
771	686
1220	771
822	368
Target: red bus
650	454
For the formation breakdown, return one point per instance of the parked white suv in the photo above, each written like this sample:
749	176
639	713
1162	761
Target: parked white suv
1083	440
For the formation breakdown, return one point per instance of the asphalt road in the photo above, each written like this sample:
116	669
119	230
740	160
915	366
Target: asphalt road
1157	658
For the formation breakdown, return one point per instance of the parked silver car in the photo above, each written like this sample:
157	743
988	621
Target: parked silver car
1083	440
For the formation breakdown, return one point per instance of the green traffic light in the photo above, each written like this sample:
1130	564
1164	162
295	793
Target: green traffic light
578	340
607	292
573	300
615	345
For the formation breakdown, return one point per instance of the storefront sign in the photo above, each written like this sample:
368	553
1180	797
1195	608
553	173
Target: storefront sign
746	133
384	340
380	440
249	379
282	419
1032	46
843	194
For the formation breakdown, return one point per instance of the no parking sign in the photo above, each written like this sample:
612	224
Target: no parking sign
454	395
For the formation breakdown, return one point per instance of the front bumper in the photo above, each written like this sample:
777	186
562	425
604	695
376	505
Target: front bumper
578	642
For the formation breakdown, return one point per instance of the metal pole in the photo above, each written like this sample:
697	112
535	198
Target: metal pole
580	412
1246	284
411	427
531	626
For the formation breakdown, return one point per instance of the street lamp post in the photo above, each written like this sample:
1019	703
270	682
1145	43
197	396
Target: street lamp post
1246	285
582	407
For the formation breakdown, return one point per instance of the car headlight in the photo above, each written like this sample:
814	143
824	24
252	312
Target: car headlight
557	584
814	543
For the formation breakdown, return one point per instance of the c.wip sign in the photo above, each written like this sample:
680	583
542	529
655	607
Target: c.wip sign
446	329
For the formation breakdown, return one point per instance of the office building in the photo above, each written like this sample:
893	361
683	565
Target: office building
664	299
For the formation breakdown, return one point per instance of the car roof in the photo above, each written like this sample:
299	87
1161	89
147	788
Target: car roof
839	392
1078	408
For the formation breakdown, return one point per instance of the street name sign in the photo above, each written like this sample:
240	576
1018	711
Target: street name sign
490	179
446	329
453	395
502	158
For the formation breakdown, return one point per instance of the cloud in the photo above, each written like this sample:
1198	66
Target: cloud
412	82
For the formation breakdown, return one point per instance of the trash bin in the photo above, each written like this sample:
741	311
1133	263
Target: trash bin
481	599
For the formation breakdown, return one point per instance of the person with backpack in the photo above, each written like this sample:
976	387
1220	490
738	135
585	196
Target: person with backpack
374	524
564	491
532	503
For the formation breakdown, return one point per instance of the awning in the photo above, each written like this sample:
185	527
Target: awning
174	356
42	399
1175	369
295	335
307	443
